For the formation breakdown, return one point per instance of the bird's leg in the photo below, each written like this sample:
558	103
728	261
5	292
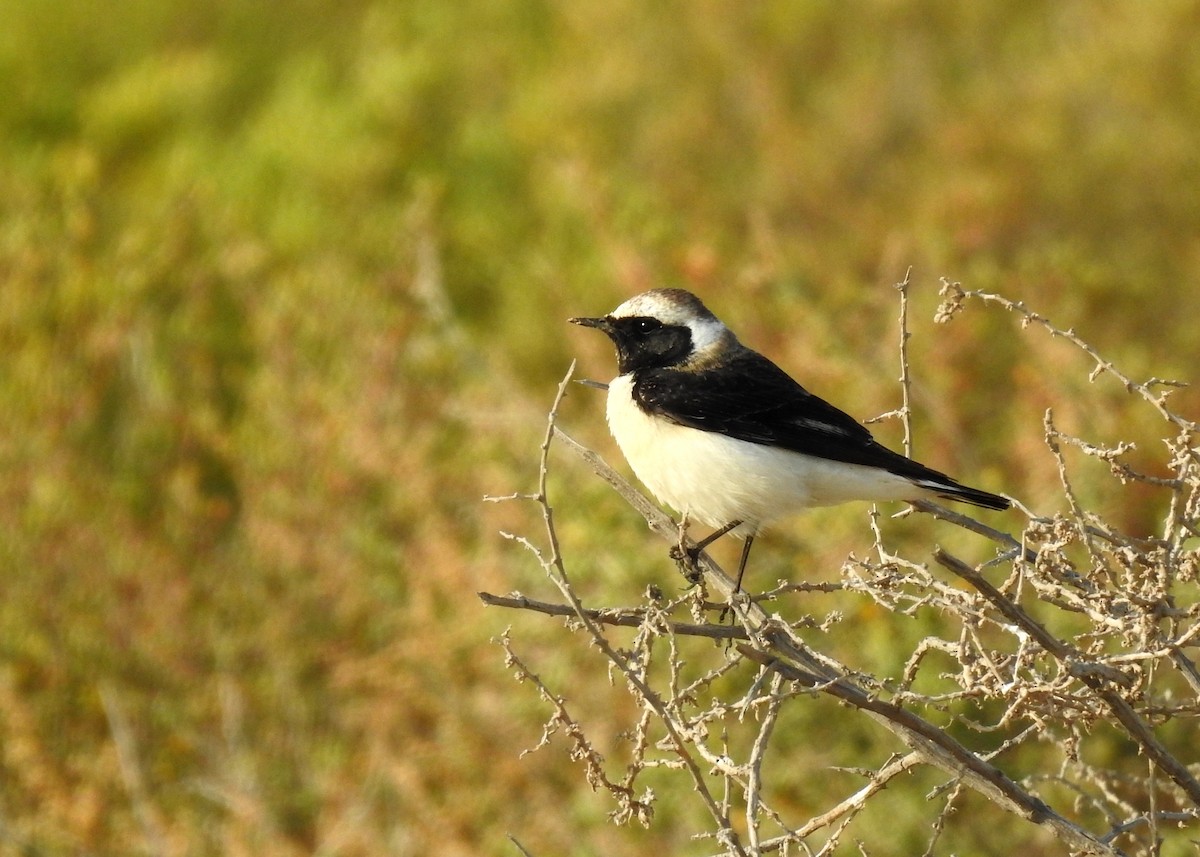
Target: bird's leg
737	587
712	537
742	565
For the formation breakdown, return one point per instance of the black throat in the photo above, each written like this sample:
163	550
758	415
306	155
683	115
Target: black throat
646	343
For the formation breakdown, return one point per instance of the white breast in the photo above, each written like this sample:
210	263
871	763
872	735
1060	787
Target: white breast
716	479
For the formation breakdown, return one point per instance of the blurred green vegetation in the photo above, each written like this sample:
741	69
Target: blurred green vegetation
283	295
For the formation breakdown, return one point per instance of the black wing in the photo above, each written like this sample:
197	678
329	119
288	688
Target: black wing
750	398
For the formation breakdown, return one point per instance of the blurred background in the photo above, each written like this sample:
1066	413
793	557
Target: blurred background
282	296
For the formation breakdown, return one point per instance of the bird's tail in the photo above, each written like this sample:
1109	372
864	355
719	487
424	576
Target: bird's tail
951	490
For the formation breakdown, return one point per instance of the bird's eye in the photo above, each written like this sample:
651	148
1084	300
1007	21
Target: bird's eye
647	325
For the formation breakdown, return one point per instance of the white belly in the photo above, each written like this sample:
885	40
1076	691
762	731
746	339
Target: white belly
717	479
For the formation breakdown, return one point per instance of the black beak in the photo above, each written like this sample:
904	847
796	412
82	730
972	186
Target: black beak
598	323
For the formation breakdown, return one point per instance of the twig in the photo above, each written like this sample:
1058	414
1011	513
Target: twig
905	380
624	619
1000	537
858	800
939	824
1052	436
754	780
582	750
1147	819
518	845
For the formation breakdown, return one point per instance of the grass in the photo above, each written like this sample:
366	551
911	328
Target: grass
283	297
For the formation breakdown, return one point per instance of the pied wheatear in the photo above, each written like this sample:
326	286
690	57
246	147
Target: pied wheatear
720	433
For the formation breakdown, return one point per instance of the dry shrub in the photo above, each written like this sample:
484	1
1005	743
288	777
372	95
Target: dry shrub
1059	688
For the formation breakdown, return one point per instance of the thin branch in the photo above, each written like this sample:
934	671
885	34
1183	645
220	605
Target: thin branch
757	752
621	618
518	845
1052	436
544	472
1000	537
582	750
1185	665
905	380
1147	819
858	800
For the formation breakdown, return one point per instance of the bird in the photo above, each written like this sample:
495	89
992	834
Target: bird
721	434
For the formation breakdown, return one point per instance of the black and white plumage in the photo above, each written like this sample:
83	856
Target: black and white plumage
719	432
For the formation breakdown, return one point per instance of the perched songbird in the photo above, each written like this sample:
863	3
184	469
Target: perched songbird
720	433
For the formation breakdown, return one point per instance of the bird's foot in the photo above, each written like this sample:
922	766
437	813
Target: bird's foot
739	597
688	561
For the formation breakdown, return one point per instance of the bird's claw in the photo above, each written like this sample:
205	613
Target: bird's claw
688	561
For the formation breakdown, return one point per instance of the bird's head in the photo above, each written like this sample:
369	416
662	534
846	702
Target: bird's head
663	328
